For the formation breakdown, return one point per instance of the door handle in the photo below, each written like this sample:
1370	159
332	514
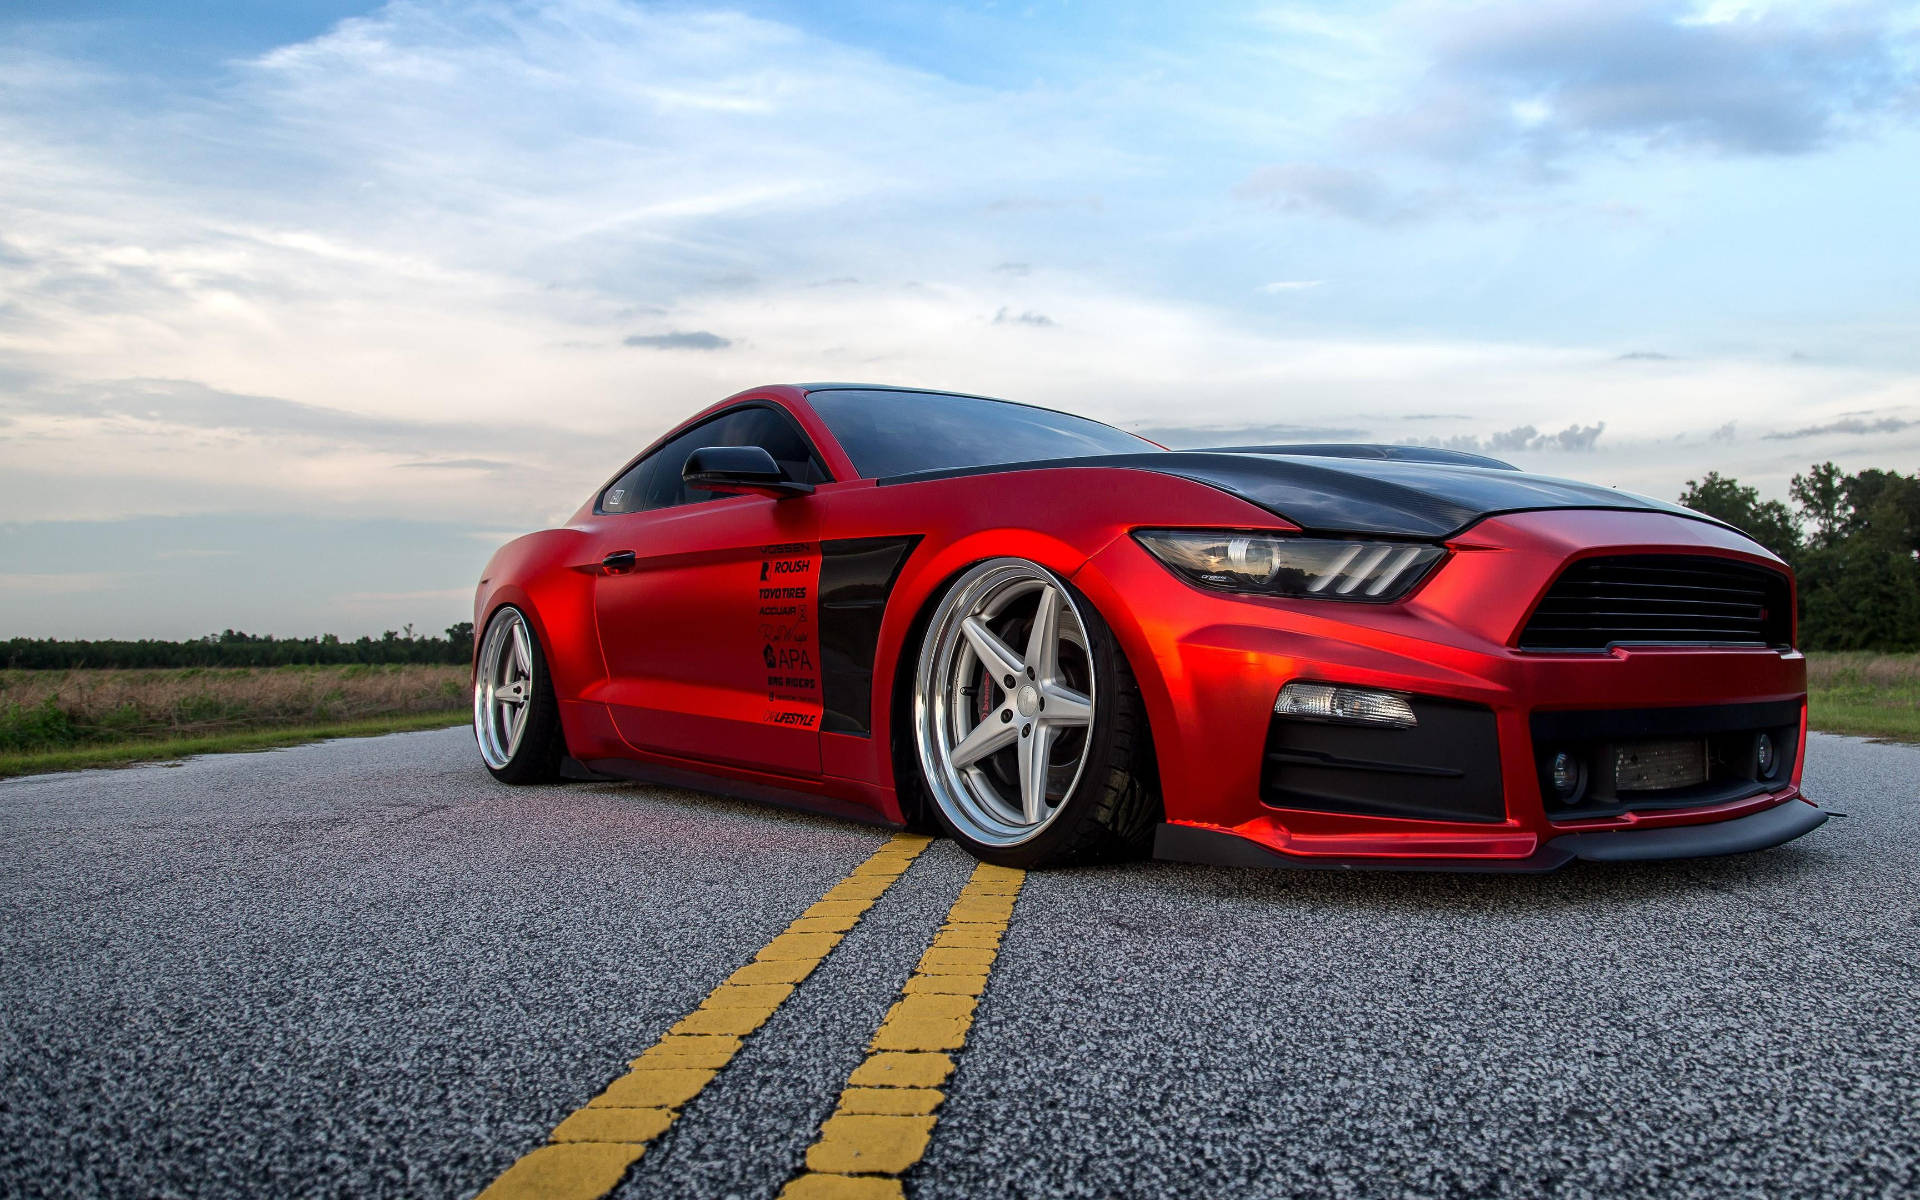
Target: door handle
619	560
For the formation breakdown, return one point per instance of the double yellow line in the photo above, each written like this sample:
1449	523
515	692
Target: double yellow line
887	1110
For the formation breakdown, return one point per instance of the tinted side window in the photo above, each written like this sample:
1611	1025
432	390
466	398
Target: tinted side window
654	481
775	433
901	433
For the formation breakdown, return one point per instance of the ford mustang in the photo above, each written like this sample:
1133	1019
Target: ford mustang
1057	642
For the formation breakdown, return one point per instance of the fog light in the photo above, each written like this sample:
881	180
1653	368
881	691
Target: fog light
1764	756
1566	777
1347	705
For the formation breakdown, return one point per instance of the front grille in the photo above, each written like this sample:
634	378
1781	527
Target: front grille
1661	599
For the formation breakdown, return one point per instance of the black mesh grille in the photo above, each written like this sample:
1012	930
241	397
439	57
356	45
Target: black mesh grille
1661	598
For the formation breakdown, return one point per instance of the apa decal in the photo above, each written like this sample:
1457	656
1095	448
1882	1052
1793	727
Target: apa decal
787	583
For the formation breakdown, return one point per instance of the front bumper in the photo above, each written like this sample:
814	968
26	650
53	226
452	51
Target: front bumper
1210	665
1756	831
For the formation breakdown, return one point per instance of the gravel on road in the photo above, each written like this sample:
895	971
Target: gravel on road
364	968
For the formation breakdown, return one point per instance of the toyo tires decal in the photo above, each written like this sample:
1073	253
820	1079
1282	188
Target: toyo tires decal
789	585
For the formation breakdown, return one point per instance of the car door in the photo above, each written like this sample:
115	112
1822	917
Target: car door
708	628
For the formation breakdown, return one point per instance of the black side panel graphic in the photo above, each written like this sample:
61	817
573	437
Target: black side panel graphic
856	577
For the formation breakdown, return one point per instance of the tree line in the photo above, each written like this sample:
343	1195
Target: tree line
232	648
1853	541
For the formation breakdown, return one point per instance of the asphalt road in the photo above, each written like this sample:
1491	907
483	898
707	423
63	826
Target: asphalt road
363	968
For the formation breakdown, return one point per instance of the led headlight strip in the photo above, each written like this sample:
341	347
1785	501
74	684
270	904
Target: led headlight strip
1277	565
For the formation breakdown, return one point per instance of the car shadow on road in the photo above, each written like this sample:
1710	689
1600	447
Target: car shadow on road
1786	870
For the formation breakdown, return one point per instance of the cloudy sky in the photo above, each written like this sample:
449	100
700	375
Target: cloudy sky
303	310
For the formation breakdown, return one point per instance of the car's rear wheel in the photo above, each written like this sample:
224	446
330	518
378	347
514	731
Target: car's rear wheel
1031	738
515	717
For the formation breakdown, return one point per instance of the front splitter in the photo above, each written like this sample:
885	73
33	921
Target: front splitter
1756	831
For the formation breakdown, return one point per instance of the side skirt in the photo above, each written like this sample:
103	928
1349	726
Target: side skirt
630	771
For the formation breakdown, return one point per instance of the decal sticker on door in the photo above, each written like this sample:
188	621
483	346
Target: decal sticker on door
788	586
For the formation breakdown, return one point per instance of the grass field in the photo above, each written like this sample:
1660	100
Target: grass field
1872	695
65	720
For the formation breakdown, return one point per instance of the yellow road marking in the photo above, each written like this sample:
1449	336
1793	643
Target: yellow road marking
888	1109
589	1153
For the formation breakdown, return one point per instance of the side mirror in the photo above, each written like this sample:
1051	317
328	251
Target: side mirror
740	471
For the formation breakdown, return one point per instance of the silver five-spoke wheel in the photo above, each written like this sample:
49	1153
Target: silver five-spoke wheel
503	687
1004	702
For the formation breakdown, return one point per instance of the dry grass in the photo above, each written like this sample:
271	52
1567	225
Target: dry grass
46	710
1858	692
1863	669
55	720
146	750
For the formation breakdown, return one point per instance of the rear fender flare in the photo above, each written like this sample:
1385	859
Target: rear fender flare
539	575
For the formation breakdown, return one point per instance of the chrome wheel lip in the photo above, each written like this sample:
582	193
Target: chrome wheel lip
503	687
950	649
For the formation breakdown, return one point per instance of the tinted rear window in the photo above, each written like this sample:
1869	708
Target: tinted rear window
901	433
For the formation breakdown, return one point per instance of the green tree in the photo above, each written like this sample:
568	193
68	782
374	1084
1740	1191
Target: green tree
460	638
1770	523
1821	494
1885	504
1860	580
1861	594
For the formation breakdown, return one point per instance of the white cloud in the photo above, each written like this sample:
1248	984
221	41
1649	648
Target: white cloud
514	243
59	583
448	599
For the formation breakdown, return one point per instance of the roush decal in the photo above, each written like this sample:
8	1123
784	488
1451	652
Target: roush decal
787	591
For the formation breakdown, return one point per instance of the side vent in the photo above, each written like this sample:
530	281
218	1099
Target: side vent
856	577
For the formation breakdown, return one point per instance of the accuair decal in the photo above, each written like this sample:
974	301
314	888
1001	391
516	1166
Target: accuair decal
789	579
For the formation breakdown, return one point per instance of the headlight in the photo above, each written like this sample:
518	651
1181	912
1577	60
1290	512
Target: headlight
1322	568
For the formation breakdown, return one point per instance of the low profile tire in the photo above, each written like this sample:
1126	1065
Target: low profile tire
515	717
1029	730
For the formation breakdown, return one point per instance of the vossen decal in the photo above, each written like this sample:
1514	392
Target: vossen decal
794	633
786	581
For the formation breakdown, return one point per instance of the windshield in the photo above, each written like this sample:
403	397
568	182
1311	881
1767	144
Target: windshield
904	433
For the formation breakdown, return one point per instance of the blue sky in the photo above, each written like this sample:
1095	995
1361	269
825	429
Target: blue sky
395	282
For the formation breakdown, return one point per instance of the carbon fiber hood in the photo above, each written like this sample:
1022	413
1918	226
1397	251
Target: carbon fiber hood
1338	494
1410	499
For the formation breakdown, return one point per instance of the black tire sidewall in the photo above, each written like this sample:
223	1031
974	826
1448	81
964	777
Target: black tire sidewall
1068	835
537	760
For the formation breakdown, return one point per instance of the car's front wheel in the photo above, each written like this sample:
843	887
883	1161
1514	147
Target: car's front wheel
515	716
1030	734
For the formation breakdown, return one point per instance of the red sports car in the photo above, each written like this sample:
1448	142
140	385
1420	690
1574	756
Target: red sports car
1058	641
